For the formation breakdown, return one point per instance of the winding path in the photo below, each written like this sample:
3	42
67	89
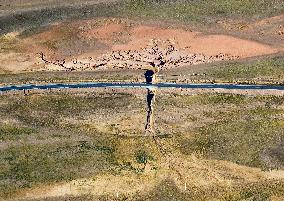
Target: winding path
138	85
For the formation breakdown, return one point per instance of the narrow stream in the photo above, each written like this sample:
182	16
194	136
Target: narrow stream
82	85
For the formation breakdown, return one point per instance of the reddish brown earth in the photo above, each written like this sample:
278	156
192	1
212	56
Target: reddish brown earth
92	44
196	42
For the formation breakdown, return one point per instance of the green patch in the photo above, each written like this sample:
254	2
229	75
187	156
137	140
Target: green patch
46	110
200	11
203	99
241	134
271	68
57	150
262	71
10	132
32	20
28	165
143	157
203	11
219	99
239	142
63	77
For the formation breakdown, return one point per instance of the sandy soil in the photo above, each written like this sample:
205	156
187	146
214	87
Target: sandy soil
196	42
269	30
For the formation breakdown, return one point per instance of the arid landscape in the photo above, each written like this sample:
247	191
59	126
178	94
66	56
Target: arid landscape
216	134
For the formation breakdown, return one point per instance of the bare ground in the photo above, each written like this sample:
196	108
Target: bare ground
95	44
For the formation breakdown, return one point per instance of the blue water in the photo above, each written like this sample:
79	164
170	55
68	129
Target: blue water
139	85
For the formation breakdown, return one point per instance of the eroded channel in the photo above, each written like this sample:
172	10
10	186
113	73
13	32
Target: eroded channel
150	77
149	122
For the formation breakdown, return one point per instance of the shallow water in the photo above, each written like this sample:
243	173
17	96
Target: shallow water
140	85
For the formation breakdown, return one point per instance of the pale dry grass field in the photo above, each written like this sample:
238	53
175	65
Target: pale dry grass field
93	146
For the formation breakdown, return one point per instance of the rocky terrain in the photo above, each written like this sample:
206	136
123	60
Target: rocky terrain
158	54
